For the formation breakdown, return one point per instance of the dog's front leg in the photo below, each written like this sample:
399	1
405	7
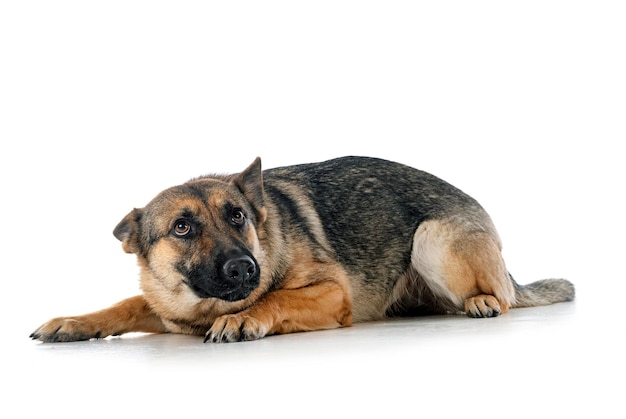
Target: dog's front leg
129	315
324	305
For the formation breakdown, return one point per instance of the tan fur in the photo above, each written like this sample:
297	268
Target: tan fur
460	265
130	315
314	298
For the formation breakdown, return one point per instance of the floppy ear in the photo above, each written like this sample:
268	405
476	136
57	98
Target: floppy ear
127	231
250	183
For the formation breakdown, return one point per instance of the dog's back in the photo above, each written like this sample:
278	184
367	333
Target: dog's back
369	211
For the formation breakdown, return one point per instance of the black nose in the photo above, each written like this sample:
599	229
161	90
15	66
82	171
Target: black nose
239	269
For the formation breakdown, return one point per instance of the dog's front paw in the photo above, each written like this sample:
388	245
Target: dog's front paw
235	328
65	329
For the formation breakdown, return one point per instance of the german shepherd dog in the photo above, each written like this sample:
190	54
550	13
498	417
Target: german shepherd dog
307	247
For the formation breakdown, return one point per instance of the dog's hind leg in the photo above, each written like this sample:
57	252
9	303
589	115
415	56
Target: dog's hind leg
462	266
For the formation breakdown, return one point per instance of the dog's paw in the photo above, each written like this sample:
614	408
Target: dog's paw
235	328
65	329
482	305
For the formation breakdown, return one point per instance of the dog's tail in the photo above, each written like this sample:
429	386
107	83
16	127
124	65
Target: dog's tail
543	292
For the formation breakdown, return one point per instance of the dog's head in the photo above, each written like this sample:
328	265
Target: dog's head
201	235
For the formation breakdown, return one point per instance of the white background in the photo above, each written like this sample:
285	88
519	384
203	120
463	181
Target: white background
104	104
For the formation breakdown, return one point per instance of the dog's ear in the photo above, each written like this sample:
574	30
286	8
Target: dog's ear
127	231
250	183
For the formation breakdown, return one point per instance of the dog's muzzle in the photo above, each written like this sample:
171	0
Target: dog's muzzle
232	277
239	277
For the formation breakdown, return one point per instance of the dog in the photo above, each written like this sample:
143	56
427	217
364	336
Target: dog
307	247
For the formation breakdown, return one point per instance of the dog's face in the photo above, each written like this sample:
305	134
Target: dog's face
201	235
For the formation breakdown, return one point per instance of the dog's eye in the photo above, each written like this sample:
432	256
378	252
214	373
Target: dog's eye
182	228
237	216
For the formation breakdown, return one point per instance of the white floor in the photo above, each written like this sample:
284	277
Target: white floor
554	361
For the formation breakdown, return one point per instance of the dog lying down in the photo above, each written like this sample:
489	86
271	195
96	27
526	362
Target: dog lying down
307	247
